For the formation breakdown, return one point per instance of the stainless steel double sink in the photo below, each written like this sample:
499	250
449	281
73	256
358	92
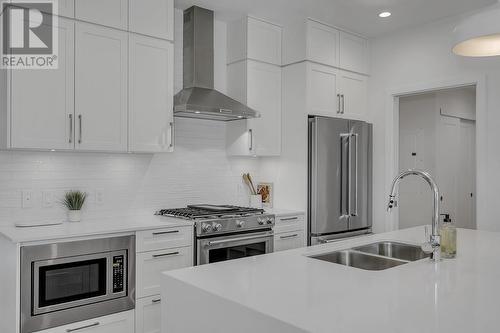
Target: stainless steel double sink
376	256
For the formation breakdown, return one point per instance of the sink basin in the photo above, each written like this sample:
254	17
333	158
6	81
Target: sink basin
394	250
359	260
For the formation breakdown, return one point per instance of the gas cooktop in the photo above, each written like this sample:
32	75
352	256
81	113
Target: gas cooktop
195	212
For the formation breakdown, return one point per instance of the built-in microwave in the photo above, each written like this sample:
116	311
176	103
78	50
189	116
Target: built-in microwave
62	283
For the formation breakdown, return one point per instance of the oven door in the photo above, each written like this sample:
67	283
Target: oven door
64	283
227	247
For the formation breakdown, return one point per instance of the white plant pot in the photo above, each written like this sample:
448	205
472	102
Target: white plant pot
256	201
74	215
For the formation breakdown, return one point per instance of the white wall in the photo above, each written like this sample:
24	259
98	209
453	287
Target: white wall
197	172
420	55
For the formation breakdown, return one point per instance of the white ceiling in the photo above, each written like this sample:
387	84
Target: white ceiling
356	15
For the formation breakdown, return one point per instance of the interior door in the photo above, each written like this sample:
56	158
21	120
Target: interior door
328	175
360	175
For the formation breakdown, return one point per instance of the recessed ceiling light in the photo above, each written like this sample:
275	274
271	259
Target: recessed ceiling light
384	14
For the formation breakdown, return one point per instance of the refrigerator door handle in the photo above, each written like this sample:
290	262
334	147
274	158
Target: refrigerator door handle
344	196
356	137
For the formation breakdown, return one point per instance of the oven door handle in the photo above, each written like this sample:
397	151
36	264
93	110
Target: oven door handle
236	239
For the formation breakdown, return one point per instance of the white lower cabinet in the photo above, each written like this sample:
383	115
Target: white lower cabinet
122	322
288	240
151	264
148	315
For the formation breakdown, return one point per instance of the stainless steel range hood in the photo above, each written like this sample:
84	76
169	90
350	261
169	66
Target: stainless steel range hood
198	99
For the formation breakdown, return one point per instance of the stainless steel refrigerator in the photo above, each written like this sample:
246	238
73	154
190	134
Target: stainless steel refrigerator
340	179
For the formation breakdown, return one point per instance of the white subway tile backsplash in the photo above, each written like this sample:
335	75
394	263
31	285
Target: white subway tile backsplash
197	172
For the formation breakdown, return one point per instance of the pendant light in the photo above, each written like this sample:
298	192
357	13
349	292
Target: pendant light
479	34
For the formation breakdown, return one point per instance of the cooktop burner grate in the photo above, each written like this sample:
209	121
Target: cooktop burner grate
210	211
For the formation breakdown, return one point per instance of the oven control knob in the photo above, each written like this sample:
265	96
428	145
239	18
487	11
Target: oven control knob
270	220
261	221
206	227
217	227
240	224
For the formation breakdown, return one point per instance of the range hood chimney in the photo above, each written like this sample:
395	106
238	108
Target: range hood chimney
198	99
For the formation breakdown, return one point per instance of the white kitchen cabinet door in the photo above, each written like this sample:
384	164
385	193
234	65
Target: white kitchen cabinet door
111	13
122	322
148	315
354	91
289	240
258	85
45	97
264	95
151	77
153	18
322	43
100	88
322	90
65	8
353	53
150	265
264	41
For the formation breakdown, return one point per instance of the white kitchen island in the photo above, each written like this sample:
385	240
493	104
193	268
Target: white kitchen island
290	292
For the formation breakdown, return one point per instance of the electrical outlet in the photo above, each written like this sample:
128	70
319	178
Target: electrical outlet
99	196
27	199
48	199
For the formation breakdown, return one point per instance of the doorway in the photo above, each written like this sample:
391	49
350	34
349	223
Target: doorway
437	133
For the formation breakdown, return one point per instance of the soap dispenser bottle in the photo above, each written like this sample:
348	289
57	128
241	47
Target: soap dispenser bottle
448	234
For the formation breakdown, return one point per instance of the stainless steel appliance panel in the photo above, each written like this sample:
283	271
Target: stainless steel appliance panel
43	267
360	151
328	202
215	249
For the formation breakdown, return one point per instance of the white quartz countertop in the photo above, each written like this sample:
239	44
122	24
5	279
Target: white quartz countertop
91	227
289	292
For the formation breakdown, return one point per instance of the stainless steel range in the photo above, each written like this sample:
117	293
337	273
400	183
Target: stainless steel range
227	232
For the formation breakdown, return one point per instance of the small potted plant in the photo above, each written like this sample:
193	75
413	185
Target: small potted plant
73	201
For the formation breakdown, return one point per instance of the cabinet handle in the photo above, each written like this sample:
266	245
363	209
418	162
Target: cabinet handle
165	254
289	218
155	301
80	125
250	136
338	104
69	330
172	134
343	103
165	232
289	236
70	128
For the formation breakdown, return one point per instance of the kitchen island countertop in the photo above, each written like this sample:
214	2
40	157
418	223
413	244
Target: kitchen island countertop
290	292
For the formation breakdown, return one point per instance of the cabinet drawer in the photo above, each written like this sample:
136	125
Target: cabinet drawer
289	240
150	265
122	322
148	315
287	223
159	239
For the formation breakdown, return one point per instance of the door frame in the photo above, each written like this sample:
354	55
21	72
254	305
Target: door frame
392	135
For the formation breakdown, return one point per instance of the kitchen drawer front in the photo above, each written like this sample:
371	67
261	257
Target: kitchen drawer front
150	265
122	322
286	223
148	315
158	239
289	240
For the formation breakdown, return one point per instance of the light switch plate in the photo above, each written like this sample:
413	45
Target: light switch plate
27	199
48	199
99	197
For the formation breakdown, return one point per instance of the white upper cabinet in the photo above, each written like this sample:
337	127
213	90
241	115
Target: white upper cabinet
152	17
111	13
261	90
322	44
353	88
45	97
150	94
100	88
66	8
322	87
336	93
254	39
353	53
